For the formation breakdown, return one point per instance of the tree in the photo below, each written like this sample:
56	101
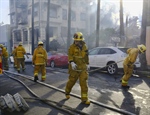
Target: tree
54	45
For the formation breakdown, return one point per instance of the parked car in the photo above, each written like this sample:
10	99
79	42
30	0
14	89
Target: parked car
56	59
27	60
109	58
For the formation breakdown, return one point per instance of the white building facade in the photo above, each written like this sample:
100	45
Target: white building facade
21	20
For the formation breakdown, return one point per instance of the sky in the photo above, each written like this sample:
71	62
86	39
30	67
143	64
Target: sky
4	11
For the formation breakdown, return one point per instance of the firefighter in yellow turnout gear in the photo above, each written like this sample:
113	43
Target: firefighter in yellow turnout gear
14	56
20	52
39	60
78	66
128	64
4	57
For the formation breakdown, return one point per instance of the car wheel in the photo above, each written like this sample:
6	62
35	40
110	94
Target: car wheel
112	68
52	64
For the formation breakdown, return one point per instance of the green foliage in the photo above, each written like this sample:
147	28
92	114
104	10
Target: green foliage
54	45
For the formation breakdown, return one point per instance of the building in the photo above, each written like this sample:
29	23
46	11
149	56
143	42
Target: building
21	18
5	38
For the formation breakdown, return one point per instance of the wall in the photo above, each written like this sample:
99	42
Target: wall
5	36
148	45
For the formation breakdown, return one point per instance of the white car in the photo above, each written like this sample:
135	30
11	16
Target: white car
27	60
109	58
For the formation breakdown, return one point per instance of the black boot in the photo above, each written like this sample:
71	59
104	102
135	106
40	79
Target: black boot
23	69
125	87
36	78
18	71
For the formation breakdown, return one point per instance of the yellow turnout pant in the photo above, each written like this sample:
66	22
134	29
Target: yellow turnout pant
73	77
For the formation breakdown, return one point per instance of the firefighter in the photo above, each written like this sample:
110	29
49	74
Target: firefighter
78	67
39	60
20	52
5	57
128	64
14	56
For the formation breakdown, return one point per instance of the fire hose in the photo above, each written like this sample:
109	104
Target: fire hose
75	95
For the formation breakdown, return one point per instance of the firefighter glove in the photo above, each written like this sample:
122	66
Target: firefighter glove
73	65
88	67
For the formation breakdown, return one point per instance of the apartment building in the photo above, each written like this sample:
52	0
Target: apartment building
21	18
5	36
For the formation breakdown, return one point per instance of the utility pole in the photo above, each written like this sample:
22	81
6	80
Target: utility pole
121	22
98	23
145	23
32	26
69	24
47	27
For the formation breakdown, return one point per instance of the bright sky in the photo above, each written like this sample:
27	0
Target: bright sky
133	7
4	11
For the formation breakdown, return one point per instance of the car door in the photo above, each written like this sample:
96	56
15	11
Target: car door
92	55
104	56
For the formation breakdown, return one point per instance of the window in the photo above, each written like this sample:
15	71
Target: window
73	16
12	19
64	14
93	52
35	11
29	11
82	16
53	12
25	35
103	51
17	35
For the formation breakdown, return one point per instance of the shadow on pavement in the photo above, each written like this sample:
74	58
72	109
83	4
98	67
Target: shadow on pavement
128	103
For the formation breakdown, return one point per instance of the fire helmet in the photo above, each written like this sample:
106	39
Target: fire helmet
40	43
1	45
20	43
142	48
78	36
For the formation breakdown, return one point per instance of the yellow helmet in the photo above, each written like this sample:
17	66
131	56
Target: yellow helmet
40	43
20	43
1	45
78	36
142	48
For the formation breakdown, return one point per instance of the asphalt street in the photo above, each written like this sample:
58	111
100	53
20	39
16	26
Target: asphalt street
103	88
